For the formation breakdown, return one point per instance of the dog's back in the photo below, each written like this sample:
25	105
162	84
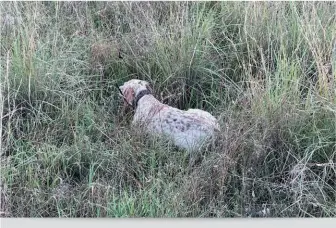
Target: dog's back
188	129
205	116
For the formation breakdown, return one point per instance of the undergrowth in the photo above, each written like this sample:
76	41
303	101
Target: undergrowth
265	69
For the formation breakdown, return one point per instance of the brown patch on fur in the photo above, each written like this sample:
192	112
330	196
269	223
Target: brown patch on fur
156	110
129	95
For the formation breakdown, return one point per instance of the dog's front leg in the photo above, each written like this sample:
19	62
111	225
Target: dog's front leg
134	122
137	122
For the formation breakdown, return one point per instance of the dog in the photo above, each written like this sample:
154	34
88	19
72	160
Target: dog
189	130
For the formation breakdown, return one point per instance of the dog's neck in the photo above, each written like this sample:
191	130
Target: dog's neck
140	95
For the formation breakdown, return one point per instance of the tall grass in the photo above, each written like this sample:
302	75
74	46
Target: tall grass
265	69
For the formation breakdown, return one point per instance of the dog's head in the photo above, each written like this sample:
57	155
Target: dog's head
131	88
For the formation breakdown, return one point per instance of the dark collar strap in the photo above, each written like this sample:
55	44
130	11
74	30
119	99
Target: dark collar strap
139	96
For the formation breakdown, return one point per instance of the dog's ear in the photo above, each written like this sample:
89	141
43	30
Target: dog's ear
129	95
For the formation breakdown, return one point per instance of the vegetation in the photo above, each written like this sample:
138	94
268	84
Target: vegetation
265	69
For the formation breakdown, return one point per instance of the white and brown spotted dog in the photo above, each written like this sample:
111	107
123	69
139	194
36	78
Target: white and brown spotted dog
189	129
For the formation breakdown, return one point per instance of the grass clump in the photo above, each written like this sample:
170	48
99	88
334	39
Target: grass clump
265	69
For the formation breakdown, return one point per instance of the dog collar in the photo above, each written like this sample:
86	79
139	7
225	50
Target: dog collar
139	96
